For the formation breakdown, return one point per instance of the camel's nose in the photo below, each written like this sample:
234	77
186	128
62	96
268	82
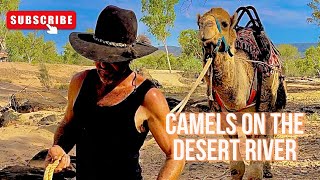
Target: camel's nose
202	36
200	33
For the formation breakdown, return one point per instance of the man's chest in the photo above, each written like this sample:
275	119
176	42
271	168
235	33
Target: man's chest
114	97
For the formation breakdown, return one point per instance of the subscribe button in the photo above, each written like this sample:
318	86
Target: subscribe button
41	19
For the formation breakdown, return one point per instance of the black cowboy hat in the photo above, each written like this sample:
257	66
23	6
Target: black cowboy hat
114	39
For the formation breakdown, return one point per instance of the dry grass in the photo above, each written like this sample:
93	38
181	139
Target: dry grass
19	143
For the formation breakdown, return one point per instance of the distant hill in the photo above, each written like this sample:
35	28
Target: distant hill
302	47
175	50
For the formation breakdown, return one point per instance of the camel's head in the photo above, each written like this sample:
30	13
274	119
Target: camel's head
216	29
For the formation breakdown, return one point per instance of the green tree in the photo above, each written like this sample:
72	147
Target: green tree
15	45
49	53
289	54
190	43
159	16
288	51
315	16
5	6
33	47
70	56
313	56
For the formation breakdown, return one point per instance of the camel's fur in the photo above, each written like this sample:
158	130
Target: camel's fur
233	76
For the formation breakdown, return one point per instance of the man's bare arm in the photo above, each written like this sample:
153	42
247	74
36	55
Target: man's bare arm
157	108
65	133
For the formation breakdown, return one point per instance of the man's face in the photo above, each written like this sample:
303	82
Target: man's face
110	72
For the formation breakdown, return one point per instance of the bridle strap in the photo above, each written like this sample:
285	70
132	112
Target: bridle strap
222	39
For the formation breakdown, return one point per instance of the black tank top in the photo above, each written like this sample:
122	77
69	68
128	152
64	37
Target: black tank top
108	142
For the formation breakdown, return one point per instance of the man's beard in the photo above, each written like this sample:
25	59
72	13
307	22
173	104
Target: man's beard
109	75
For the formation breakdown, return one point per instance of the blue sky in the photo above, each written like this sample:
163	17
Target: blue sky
284	21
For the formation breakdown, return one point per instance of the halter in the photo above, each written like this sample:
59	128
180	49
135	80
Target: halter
222	39
215	50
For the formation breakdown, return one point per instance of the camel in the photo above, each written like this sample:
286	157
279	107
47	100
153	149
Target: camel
232	78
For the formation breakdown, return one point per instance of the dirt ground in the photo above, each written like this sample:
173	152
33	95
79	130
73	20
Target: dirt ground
31	133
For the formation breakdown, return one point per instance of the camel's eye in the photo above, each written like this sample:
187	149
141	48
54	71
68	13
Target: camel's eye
209	24
224	24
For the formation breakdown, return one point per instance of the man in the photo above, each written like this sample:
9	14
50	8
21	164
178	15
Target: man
111	108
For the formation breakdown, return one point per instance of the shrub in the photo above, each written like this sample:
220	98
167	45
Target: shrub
44	76
64	86
158	60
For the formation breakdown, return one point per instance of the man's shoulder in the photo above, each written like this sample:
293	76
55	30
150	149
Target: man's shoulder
154	95
156	103
78	78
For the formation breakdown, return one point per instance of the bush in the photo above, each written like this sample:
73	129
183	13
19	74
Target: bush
314	117
62	86
44	76
190	64
299	67
158	60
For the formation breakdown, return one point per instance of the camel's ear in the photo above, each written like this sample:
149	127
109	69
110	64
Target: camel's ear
198	18
233	33
234	20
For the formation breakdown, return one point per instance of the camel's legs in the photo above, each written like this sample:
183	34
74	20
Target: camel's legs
259	169
270	134
255	169
237	166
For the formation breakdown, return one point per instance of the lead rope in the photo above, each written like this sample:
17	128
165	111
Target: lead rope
182	104
200	77
48	174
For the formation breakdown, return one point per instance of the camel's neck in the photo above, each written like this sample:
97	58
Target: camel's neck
224	71
231	80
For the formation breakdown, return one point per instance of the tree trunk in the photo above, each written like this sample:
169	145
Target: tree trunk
2	46
167	53
29	58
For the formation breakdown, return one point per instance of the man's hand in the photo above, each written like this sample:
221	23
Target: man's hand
55	153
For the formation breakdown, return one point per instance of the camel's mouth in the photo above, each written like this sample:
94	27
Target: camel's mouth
212	48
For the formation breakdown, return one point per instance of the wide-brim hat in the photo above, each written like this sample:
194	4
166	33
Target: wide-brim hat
114	39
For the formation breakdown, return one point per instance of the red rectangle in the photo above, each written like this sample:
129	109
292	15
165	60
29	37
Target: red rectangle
40	19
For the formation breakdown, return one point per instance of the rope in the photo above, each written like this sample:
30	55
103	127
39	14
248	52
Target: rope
182	104
260	62
48	174
210	96
200	77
